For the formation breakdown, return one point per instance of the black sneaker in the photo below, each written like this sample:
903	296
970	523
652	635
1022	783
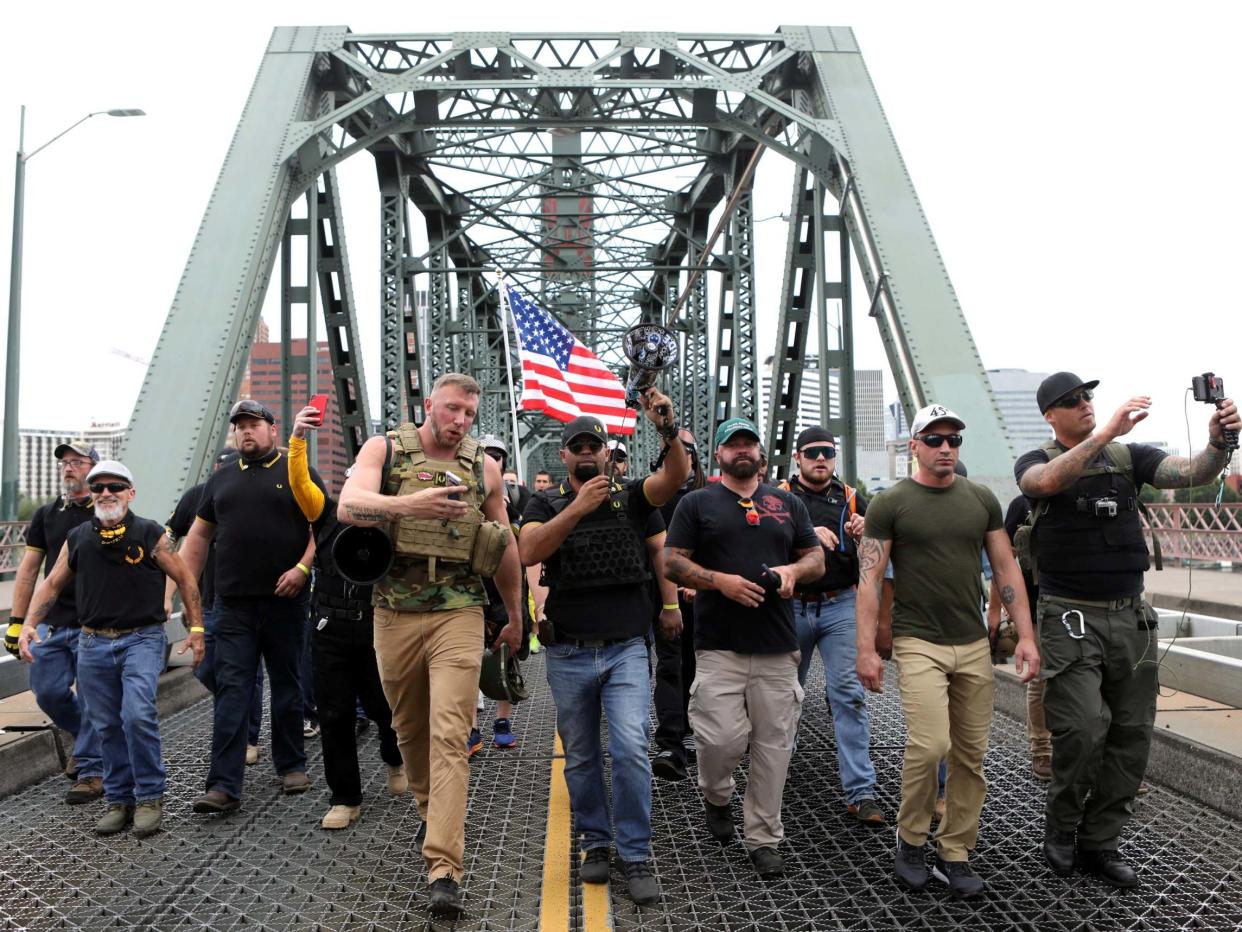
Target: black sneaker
642	882
910	864
595	868
768	862
1059	851
444	898
960	876
668	766
1108	867
719	821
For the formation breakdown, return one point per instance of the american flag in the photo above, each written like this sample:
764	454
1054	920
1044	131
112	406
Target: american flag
560	376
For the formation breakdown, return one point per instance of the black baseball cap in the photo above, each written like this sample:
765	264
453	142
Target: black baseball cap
592	426
1058	385
248	407
814	435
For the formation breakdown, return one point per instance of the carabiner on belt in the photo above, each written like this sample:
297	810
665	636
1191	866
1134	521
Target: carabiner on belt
1069	627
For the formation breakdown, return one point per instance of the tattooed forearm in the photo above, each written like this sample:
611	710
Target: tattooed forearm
871	562
1048	479
1007	595
1178	471
36	617
362	513
685	572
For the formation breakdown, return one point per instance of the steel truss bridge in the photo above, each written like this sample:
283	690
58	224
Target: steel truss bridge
589	167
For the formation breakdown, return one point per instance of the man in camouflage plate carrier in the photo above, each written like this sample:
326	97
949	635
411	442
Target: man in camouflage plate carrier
441	498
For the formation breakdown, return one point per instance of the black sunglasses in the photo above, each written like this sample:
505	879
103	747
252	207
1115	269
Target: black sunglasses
618	456
578	447
828	452
938	440
113	487
1071	401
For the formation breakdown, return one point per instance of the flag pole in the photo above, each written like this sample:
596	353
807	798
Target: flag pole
507	315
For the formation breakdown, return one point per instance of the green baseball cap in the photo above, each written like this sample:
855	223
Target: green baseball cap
734	425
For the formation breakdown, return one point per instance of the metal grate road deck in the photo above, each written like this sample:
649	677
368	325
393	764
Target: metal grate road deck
271	867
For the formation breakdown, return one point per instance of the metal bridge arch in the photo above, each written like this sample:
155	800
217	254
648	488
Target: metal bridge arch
588	167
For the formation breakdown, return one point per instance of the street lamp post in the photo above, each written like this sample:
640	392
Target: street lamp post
8	463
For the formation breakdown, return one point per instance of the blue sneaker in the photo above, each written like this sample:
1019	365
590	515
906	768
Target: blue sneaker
502	734
474	743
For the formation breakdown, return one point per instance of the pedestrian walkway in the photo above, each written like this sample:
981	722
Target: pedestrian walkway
271	866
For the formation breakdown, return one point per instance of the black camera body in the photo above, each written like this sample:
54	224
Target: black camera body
1209	388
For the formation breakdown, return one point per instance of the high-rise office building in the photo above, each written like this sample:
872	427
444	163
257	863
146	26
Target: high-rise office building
38	475
261	382
1015	395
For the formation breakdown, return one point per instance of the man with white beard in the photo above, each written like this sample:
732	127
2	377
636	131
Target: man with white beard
118	563
52	678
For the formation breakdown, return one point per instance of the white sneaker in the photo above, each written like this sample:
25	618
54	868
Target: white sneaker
397	781
341	817
252	754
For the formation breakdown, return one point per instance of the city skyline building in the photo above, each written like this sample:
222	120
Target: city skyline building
38	475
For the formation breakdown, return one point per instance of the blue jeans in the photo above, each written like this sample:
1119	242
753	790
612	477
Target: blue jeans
206	671
118	678
830	626
617	681
247	629
51	675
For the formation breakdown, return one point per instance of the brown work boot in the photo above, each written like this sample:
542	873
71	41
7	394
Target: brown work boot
1041	767
341	817
71	767
867	812
148	817
294	782
398	783
115	819
86	790
215	802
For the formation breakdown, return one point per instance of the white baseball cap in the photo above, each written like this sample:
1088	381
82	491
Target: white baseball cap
929	415
111	468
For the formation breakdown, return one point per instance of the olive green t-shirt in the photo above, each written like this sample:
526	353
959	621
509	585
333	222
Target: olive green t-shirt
937	536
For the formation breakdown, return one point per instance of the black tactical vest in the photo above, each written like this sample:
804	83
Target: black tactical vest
604	549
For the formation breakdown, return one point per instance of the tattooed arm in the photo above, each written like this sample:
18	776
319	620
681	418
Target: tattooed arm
685	572
873	556
1044	480
45	595
1178	472
361	502
1008	579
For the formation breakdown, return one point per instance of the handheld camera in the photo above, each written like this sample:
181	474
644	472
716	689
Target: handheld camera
1209	388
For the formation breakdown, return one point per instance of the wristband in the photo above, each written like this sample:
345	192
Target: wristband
672	608
1218	444
302	567
17	619
198	629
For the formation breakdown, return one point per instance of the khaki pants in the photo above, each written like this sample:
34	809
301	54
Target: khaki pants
1036	728
946	692
429	665
736	698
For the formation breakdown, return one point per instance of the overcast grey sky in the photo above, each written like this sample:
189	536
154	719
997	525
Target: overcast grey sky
1077	163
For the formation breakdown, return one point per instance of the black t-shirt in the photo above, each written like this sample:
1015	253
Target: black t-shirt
609	612
711	524
1090	583
260	530
179	524
49	527
1015	516
118	585
830	508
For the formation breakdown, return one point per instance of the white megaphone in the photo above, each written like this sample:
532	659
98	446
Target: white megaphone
650	349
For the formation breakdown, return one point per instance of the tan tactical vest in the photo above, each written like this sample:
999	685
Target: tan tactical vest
471	539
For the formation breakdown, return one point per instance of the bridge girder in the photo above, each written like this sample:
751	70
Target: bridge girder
465	127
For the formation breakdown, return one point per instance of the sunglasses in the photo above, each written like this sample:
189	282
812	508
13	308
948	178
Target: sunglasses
619	457
828	452
113	487
1071	401
578	447
939	440
496	455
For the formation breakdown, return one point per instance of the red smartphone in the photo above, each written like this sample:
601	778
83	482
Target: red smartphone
321	402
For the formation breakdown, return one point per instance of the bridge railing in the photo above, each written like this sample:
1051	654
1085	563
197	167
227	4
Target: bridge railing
1198	532
12	545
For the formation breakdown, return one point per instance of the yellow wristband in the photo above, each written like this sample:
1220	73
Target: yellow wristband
672	608
303	568
198	629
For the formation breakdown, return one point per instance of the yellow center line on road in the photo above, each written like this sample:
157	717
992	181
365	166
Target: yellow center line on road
554	899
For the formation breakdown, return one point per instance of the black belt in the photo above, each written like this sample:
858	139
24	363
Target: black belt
580	642
820	596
